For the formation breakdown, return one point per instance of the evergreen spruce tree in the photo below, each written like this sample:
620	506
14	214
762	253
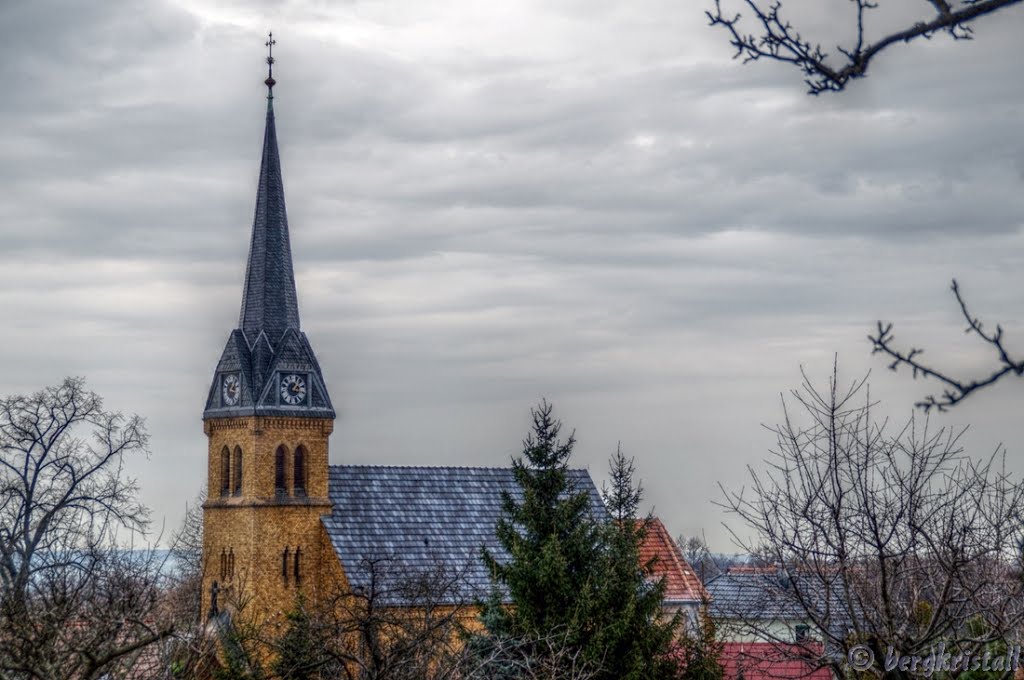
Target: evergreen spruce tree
636	640
553	541
299	655
238	663
701	651
572	576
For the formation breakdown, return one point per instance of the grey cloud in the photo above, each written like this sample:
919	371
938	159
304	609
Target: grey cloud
587	201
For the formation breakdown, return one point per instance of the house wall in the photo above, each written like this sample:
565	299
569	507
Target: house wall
766	631
690	611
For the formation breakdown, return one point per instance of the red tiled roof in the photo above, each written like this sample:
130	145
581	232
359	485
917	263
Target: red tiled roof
681	583
771	661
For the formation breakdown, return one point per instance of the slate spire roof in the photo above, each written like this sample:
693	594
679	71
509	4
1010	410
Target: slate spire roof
268	346
269	301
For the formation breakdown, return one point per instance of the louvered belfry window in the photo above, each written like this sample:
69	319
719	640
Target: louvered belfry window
299	482
237	481
279	481
225	472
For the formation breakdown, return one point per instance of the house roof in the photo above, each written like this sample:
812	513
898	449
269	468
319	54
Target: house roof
424	519
771	661
753	594
681	583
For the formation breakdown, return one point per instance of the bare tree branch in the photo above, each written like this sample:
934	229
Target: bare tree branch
955	389
776	39
402	623
77	598
881	538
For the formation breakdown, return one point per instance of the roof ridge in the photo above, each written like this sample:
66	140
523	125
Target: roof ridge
680	560
433	467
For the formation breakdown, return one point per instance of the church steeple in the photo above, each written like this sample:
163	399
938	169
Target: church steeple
268	349
268	420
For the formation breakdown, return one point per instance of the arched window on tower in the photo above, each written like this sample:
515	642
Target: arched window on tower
280	487
298	553
225	472
299	480
284	565
237	480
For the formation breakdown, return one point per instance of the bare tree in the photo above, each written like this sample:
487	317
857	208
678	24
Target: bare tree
955	389
399	623
75	597
775	38
882	538
551	657
187	541
402	623
699	556
190	650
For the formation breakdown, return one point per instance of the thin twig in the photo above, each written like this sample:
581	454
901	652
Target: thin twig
956	389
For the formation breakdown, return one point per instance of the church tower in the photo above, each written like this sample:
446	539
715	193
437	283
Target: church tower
268	418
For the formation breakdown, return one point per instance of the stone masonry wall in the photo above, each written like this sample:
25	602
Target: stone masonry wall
245	535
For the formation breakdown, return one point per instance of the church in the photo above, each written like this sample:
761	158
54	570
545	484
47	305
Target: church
279	519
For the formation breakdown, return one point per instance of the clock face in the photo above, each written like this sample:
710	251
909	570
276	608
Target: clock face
293	389
231	389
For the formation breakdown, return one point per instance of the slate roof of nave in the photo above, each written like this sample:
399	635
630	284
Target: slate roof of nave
413	520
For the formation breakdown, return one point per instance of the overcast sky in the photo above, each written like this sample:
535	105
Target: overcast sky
495	202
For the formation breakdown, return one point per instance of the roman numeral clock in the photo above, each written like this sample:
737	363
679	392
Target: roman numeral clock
293	389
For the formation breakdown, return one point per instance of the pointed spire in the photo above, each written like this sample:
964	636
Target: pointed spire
269	302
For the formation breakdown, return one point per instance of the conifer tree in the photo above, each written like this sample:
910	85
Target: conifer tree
575	576
553	542
700	650
299	651
635	638
237	660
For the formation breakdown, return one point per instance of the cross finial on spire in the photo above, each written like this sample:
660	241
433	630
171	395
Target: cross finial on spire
270	82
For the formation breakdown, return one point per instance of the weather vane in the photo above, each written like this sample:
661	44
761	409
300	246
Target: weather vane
270	82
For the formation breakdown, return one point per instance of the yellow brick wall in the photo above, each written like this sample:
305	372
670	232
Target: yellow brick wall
257	525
